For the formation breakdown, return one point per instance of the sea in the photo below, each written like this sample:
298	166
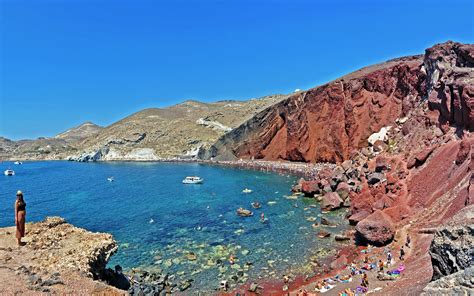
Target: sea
187	230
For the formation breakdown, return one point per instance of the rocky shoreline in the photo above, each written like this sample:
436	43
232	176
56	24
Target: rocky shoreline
56	258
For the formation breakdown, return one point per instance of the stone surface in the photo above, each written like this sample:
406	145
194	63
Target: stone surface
459	283
452	249
329	122
377	228
450	75
57	258
331	201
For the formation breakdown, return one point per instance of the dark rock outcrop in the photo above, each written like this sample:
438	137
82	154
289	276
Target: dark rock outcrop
459	283
452	250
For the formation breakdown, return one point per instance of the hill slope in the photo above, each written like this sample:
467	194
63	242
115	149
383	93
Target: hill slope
177	131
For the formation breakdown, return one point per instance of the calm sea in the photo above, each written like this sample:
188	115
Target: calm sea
160	223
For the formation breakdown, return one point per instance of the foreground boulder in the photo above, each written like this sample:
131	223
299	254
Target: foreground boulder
331	201
376	229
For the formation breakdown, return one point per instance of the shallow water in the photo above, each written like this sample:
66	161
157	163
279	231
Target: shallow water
158	221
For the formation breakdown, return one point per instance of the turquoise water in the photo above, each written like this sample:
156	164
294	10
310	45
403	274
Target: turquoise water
158	221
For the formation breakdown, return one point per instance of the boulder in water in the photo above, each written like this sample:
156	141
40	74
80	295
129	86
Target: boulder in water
244	212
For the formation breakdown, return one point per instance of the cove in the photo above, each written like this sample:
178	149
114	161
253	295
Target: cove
188	231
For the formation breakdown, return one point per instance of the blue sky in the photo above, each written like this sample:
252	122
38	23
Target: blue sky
65	62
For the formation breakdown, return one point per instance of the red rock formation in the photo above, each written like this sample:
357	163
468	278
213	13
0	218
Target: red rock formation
329	122
331	201
450	71
377	228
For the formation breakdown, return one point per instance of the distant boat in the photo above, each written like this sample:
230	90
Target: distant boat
18	162
9	172
110	179
246	190
193	180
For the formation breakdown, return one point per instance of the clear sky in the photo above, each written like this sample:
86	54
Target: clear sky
69	61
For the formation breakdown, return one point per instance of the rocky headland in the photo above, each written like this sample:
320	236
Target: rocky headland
57	258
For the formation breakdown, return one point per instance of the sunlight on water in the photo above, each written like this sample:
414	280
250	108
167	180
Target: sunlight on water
164	225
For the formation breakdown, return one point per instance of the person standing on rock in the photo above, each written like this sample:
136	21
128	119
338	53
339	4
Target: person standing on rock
20	216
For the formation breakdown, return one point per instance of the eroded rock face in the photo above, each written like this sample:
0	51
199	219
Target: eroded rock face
377	228
452	250
60	246
329	122
459	283
450	72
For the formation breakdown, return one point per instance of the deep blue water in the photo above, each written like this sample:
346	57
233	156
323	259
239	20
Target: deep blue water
186	218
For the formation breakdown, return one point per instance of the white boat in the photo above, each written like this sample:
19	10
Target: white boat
9	172
193	180
246	190
110	179
18	162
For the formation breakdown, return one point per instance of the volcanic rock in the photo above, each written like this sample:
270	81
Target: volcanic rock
375	178
343	189
452	249
377	228
450	71
331	201
328	123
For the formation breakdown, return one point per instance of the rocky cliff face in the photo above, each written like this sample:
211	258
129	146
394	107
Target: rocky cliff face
329	122
452	250
58	258
452	255
450	72
417	176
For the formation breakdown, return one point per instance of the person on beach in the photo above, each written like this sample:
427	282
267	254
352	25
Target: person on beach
20	216
381	265
402	254
389	258
408	241
365	281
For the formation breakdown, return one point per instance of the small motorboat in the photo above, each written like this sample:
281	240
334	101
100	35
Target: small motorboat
18	162
246	190
193	180
9	172
256	205
244	212
110	179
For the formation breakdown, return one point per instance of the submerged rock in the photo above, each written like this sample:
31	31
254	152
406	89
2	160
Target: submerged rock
323	234
244	212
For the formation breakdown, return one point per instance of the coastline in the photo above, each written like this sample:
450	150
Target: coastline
294	169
